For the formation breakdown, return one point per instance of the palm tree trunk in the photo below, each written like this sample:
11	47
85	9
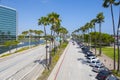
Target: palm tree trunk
95	39
29	40
51	44
118	29
46	47
99	39
54	43
83	37
90	38
114	36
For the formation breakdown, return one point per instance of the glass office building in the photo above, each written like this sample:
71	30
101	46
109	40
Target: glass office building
8	23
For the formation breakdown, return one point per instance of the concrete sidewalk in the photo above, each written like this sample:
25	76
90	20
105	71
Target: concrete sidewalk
57	66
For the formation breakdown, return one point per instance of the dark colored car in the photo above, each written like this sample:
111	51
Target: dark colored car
112	77
102	75
90	54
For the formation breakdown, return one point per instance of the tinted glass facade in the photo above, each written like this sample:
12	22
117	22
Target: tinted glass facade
7	24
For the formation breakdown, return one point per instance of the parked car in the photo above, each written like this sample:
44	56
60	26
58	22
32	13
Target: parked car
97	68
85	48
92	58
94	63
88	54
103	74
112	77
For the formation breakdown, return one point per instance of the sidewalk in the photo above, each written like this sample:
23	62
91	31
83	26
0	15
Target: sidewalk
57	66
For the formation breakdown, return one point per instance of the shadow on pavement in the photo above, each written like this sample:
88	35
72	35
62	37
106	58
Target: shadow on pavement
43	62
77	47
82	61
80	52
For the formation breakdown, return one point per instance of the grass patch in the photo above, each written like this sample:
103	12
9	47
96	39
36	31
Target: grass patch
22	49
4	55
108	51
55	59
116	73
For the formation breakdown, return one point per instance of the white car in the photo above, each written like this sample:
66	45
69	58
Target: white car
97	68
92	58
94	63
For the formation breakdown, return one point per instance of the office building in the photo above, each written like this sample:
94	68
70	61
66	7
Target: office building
8	23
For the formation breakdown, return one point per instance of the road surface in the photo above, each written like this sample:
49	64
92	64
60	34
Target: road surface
72	65
26	66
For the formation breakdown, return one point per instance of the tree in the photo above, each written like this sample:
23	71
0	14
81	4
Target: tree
11	44
87	26
44	21
83	32
25	34
93	21
100	19
106	4
63	31
15	43
30	36
107	39
38	33
54	20
118	29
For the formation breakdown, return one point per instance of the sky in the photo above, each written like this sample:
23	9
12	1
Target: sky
73	13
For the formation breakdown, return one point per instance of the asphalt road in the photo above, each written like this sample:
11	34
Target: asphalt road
73	66
26	66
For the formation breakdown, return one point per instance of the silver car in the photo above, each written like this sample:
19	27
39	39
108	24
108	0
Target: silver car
94	63
97	68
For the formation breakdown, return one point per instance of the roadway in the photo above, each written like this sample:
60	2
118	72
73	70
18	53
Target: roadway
26	66
72	66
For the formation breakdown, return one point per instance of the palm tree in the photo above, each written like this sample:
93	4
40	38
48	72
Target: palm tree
54	20
44	21
100	19
30	36
87	29
64	31
106	4
21	37
91	27
83	32
93	21
38	32
25	33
